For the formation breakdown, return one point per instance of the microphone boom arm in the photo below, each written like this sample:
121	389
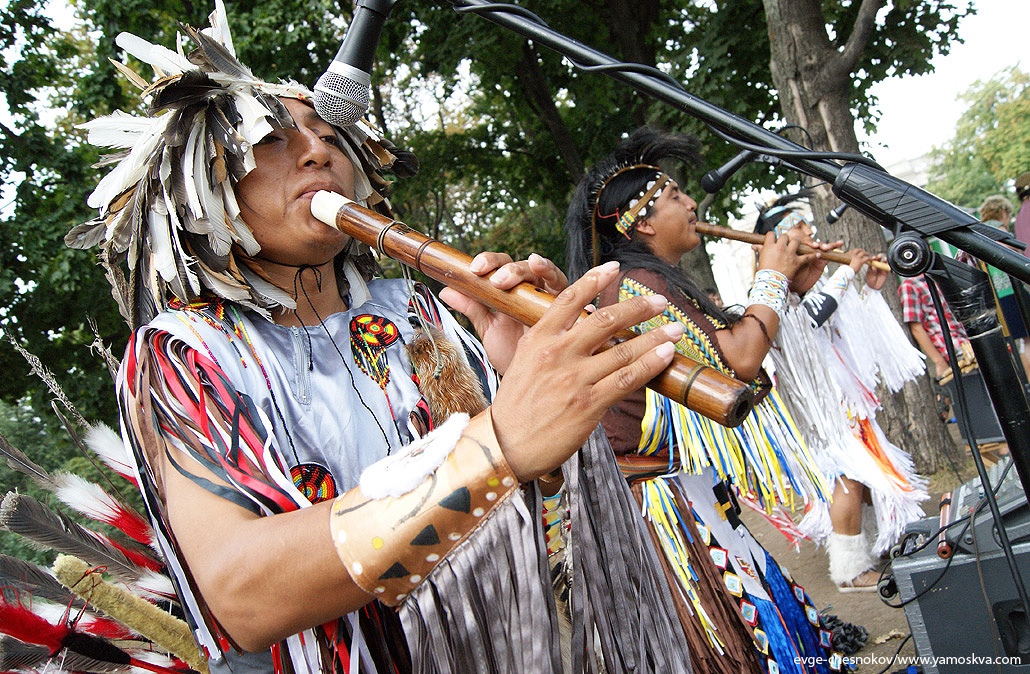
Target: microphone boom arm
892	202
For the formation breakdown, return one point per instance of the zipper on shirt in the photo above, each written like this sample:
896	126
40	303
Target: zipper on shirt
301	364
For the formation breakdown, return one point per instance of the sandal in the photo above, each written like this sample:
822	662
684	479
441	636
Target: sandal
863	582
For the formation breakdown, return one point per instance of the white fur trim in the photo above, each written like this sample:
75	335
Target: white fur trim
849	557
400	473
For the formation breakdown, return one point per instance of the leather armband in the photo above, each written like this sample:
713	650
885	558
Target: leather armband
390	543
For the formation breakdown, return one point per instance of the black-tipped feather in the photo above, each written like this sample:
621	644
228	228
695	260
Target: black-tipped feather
33	580
17	460
16	654
210	55
279	116
224	131
87	234
24	515
185	94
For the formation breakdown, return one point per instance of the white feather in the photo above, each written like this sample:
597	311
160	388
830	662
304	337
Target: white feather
267	290
190	160
91	500
174	227
216	282
154	585
119	129
187	266
255	124
86	497
232	208
213	207
164	169
108	446
219	30
241	230
160	239
161	58
130	170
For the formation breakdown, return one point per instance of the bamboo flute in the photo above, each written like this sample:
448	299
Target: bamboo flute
694	385
751	237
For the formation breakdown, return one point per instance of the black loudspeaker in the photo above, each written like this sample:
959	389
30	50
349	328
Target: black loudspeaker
966	615
983	421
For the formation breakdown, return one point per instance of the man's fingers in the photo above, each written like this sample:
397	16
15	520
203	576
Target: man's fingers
552	278
624	354
568	306
488	261
537	270
633	376
589	333
475	311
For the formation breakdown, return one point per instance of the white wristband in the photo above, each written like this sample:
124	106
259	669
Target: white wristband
770	288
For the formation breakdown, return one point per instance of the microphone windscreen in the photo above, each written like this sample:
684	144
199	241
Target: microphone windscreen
712	182
341	94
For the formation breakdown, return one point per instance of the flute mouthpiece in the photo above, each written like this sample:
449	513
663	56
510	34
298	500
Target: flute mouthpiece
325	205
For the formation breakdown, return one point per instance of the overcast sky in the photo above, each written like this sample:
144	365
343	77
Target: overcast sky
920	112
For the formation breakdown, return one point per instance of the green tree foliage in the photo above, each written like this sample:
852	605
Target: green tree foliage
46	290
504	127
991	142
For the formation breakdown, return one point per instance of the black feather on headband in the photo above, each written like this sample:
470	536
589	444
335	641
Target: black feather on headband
774	211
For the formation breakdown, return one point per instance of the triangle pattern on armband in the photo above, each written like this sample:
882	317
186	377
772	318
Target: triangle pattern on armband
459	500
395	571
427	536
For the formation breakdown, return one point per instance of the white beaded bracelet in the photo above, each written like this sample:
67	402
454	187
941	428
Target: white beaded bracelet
770	288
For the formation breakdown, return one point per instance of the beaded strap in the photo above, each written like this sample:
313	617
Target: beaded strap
770	288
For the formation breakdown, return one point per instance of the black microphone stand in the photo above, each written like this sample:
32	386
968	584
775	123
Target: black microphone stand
863	185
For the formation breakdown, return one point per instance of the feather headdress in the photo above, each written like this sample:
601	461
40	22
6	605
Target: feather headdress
618	192
168	208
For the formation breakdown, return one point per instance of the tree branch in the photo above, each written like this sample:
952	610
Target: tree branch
865	26
534	83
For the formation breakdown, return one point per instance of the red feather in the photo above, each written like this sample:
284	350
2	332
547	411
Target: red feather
135	556
24	625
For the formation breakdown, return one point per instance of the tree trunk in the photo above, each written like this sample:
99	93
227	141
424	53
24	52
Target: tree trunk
813	80
632	23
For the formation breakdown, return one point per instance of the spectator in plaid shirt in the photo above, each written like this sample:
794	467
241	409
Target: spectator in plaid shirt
918	312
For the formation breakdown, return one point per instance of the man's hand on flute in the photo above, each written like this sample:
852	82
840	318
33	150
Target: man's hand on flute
875	276
557	383
500	332
810	271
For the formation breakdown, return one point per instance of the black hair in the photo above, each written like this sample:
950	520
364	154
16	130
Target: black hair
773	213
605	191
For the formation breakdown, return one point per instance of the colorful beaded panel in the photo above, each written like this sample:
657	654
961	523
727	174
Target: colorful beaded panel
695	342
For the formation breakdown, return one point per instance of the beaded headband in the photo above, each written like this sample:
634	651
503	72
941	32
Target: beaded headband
638	207
789	221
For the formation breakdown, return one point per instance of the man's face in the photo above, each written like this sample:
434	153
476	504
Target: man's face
275	198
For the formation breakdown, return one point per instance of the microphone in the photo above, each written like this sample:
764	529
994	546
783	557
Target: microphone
342	93
835	215
713	181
